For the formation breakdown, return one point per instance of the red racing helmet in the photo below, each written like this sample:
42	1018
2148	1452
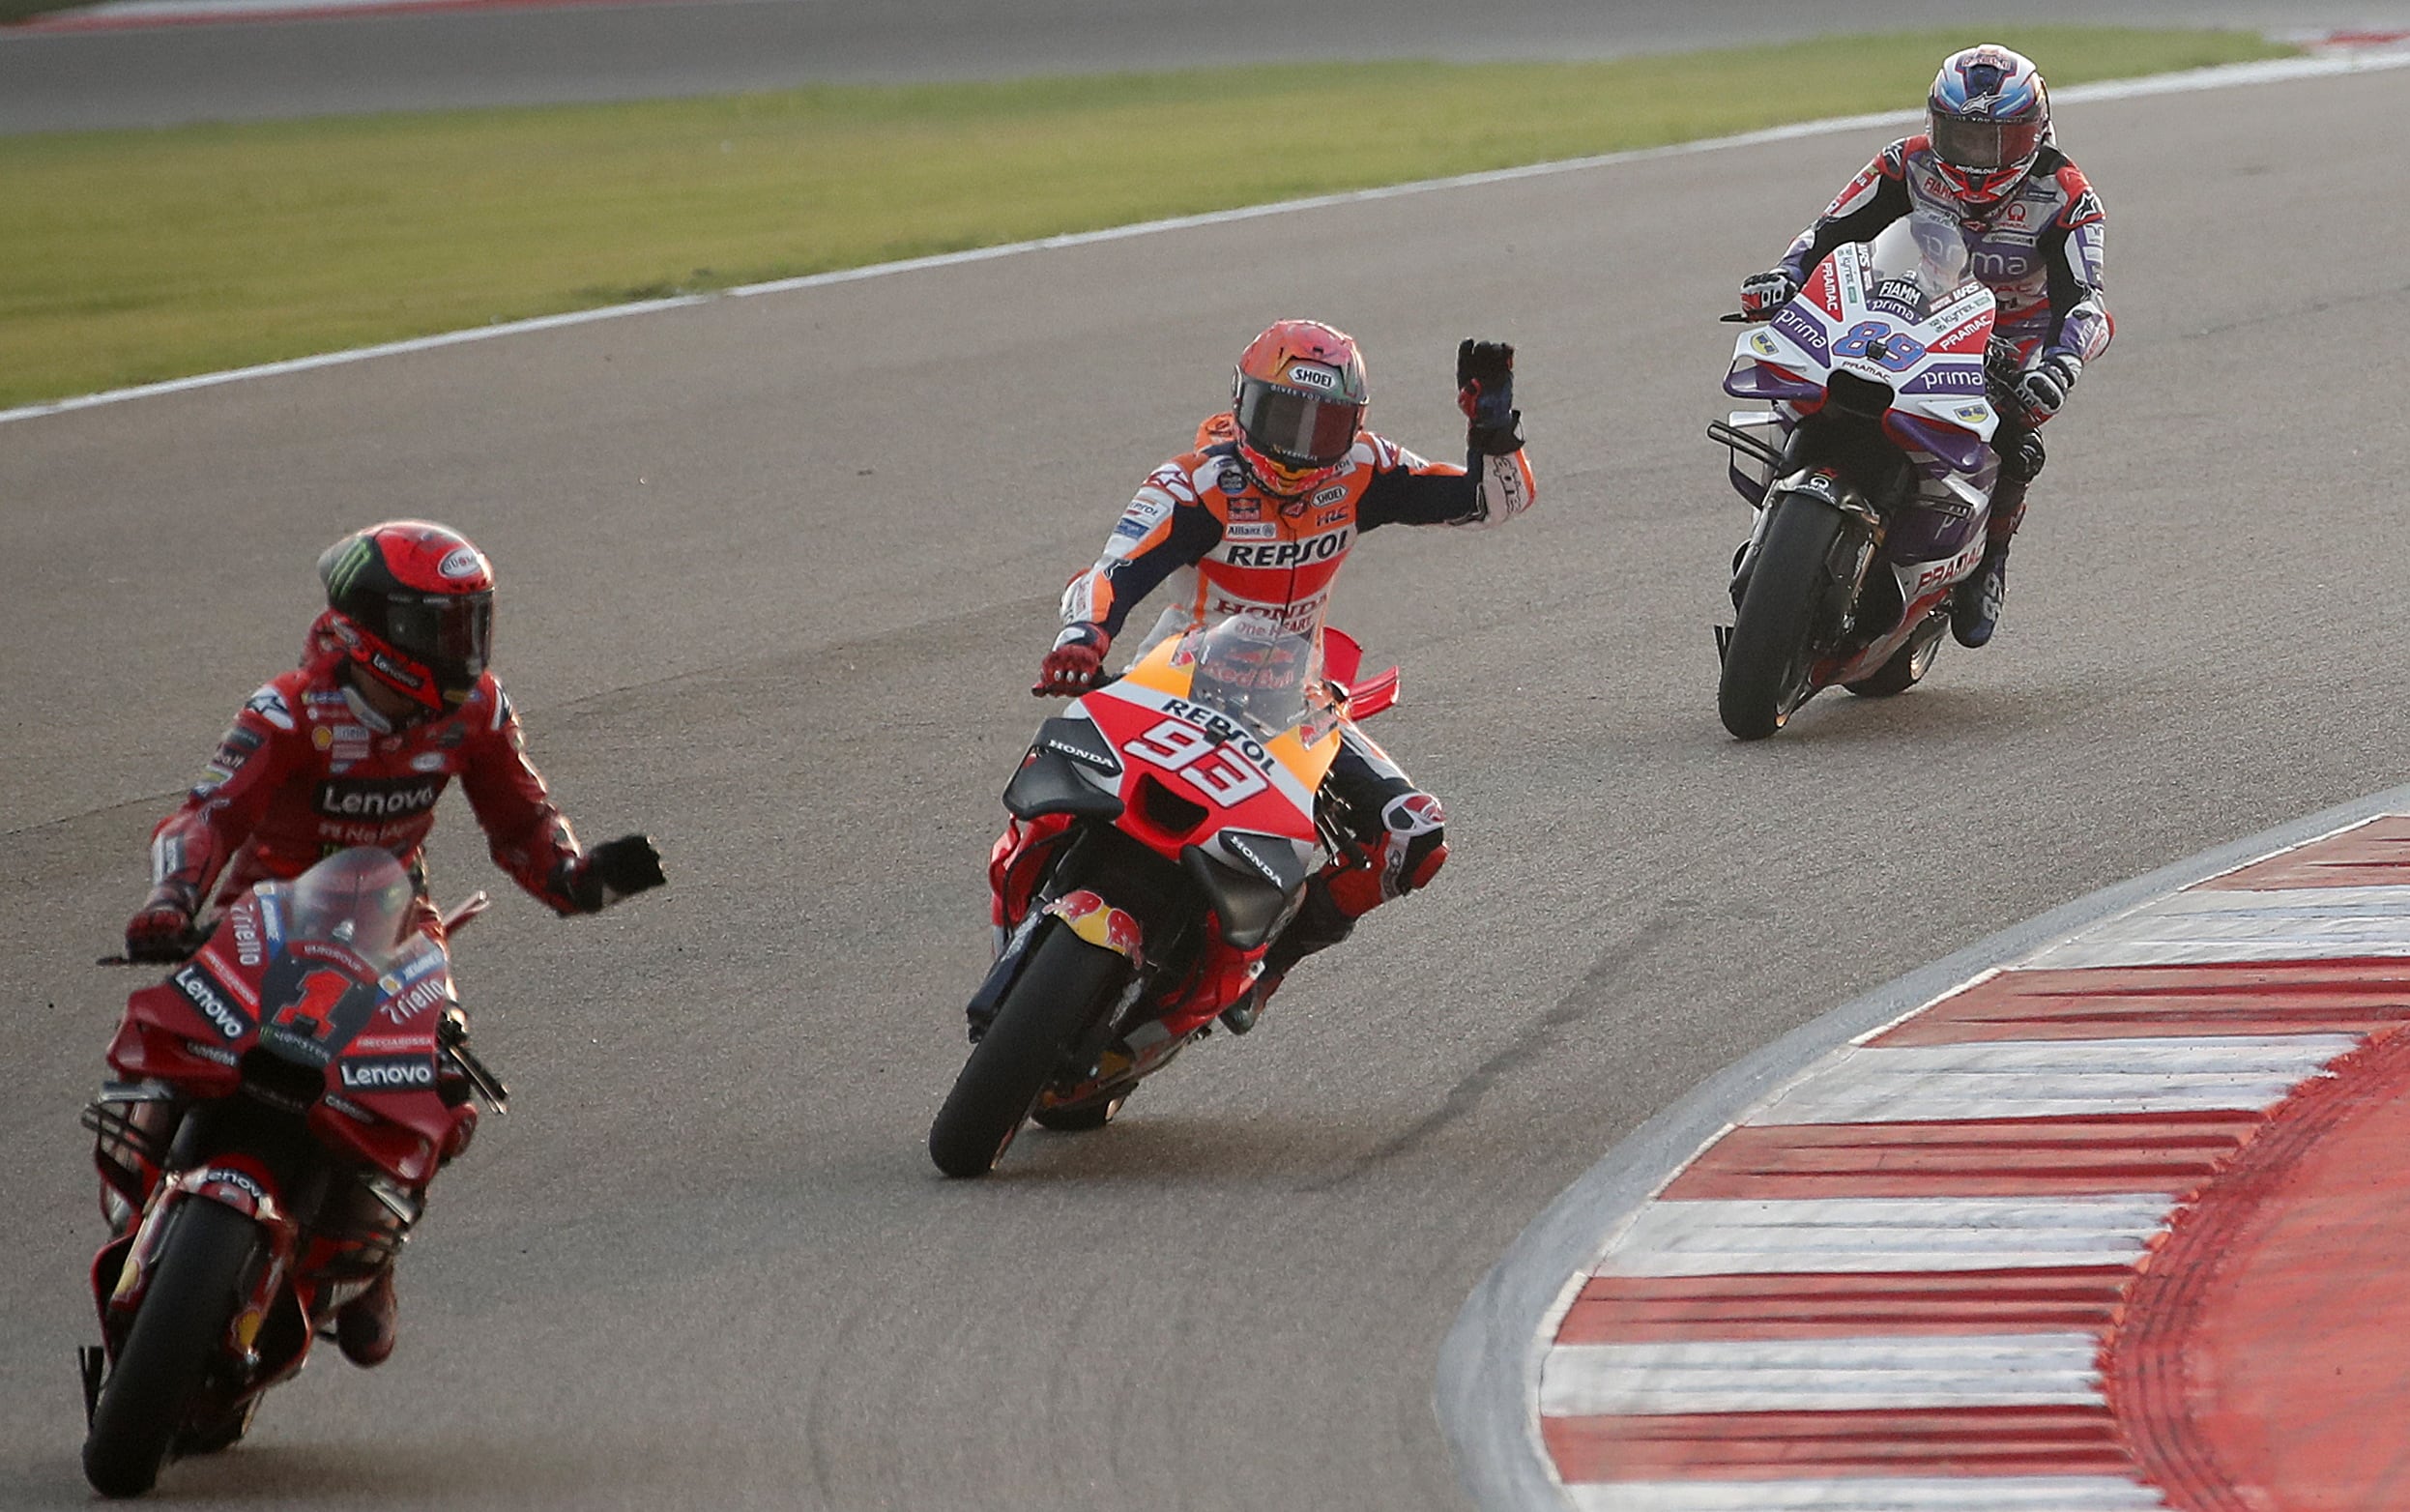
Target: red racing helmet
412	604
1298	400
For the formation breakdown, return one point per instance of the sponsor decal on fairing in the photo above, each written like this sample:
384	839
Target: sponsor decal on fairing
385	1073
205	993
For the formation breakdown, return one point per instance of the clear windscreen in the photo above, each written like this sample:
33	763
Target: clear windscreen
1921	262
360	898
1260	672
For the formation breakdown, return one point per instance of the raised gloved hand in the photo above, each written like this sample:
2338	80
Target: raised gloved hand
1764	294
2042	387
1074	665
1485	391
613	870
160	931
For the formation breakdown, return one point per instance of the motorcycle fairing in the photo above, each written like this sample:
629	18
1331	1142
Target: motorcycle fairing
1071	768
1848	320
313	1003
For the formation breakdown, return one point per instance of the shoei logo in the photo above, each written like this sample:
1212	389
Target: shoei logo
460	562
1314	377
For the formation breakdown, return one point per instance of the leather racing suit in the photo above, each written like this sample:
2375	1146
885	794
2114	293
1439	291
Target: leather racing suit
2040	251
308	768
1201	524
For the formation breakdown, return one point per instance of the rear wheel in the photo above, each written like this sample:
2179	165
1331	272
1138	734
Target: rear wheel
175	1338
1790	600
1908	666
1066	987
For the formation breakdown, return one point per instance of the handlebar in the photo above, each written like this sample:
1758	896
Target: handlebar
452	1033
188	946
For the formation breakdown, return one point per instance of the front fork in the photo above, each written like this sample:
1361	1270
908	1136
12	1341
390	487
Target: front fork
121	1271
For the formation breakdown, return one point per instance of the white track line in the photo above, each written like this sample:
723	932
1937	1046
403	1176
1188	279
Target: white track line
1867	1373
2278	71
2036	1079
1883	1234
2284	924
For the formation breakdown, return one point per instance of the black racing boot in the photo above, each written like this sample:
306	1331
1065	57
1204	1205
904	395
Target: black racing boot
1318	926
1975	604
364	1326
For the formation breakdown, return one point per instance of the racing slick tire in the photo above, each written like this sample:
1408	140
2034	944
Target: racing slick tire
1790	597
174	1340
1066	987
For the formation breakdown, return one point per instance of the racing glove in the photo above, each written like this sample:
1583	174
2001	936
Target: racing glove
2042	387
1764	294
1485	391
614	870
160	930
1075	663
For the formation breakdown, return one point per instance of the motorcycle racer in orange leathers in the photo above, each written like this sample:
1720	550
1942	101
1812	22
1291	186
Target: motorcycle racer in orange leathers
1256	519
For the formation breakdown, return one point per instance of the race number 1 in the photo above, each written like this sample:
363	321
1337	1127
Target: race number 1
313	1009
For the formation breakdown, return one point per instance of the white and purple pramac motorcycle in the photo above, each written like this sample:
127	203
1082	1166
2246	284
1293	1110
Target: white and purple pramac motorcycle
1872	475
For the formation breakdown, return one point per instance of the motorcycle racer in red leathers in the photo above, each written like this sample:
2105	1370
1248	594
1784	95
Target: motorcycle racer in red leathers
391	701
1256	520
2038	239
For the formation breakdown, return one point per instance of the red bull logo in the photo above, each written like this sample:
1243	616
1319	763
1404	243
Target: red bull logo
1099	923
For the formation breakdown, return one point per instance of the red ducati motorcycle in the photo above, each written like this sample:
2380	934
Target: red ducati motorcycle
1163	829
281	1102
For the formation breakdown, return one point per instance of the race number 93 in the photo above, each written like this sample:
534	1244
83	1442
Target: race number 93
1210	768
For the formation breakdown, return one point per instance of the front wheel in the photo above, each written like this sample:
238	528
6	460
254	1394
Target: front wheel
175	1338
1066	987
1791	599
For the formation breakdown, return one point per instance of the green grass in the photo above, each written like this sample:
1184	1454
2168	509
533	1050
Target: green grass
140	255
11	10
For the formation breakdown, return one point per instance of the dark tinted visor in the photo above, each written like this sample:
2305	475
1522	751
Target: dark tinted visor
1300	429
1985	144
451	633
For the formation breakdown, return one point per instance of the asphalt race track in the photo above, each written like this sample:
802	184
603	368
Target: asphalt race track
599	50
776	571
